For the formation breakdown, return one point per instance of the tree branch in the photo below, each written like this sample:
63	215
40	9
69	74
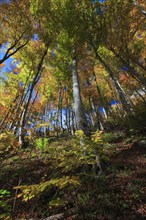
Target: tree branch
7	54
140	7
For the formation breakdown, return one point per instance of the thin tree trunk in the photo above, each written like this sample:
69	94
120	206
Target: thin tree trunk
141	96
138	77
100	95
21	129
9	111
140	8
91	115
20	103
59	111
45	118
32	104
67	112
138	63
34	82
98	116
125	102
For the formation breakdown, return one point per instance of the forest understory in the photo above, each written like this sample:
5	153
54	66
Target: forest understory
116	192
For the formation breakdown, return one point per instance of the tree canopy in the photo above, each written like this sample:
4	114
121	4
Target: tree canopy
71	67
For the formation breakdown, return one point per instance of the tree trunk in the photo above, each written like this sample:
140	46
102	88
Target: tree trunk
131	70
20	103
100	95
80	117
10	110
34	82
125	102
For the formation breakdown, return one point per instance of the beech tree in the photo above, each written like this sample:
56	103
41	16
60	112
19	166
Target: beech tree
64	42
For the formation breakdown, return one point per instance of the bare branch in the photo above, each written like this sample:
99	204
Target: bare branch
139	6
7	54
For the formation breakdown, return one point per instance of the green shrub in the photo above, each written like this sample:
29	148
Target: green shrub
5	208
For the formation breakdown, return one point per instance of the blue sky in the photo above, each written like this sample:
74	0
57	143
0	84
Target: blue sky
8	62
93	1
4	1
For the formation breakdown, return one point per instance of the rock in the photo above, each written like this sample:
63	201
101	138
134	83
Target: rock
55	217
141	143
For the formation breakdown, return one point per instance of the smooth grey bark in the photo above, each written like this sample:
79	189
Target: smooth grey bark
21	129
80	117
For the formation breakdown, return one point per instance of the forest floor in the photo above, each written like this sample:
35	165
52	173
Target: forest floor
116	194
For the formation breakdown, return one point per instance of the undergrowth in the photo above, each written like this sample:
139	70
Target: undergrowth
73	176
